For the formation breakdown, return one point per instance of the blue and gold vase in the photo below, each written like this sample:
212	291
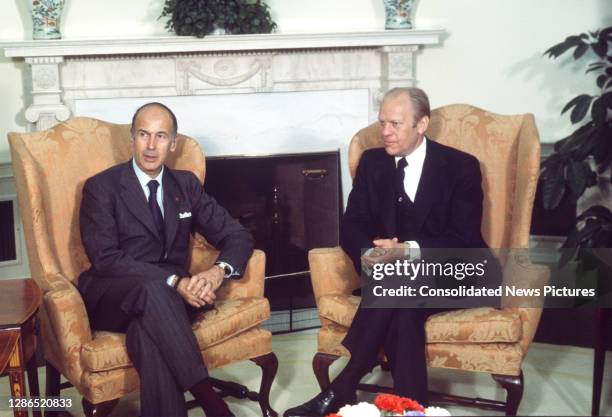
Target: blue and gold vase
46	16
398	14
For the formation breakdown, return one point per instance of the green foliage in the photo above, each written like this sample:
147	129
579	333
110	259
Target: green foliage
566	171
201	17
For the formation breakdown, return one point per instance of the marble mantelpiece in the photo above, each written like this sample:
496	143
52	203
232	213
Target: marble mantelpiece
65	71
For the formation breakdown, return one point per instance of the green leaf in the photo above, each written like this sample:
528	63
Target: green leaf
578	174
577	139
601	80
553	187
561	48
595	66
598	112
591	226
580	50
606	34
581	105
569	249
597	211
600	47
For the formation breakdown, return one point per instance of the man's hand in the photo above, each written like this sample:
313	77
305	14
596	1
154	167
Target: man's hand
384	251
181	288
387	243
204	284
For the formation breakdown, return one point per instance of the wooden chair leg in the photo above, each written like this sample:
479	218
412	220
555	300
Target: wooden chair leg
514	389
320	365
98	410
32	372
52	385
269	365
52	378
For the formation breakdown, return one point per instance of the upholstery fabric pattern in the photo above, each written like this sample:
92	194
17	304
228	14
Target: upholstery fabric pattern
498	358
107	350
474	325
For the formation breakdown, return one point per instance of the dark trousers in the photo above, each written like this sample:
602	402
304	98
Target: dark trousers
159	338
400	332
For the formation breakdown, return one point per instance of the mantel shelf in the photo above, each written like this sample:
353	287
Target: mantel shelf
217	43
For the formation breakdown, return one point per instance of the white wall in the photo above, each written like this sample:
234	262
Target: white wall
492	57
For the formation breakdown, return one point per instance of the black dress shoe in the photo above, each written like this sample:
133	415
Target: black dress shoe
328	401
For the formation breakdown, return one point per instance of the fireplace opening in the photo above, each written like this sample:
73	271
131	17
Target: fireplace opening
291	203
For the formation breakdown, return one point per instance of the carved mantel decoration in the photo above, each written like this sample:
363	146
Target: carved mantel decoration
65	71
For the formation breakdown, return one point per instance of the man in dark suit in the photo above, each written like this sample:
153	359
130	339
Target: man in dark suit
136	219
412	194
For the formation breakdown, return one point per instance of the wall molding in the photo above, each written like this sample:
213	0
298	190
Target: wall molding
6	170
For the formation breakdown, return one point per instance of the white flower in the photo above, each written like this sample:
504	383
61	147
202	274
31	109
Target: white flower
359	410
437	412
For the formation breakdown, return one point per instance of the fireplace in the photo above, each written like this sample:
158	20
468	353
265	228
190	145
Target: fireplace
291	203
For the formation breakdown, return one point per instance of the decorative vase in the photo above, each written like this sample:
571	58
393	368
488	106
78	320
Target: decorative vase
398	14
46	16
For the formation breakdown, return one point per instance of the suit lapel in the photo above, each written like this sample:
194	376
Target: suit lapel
134	198
432	180
172	195
386	171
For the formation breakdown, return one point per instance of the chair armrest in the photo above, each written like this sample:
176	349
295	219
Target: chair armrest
521	272
68	326
331	272
252	282
203	256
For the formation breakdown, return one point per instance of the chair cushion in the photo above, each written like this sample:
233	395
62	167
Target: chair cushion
474	325
339	308
497	358
98	387
229	317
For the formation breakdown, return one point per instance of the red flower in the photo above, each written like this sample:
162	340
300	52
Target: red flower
333	415
396	404
389	402
411	405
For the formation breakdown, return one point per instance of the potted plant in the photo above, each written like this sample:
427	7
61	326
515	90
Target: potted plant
202	17
584	158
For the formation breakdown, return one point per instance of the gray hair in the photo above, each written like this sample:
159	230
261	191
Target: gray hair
418	97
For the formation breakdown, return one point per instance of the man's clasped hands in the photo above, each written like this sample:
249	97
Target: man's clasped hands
199	289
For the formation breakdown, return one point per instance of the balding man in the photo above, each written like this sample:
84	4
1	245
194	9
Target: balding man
412	193
136	219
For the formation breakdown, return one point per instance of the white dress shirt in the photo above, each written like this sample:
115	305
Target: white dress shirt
414	169
144	178
412	177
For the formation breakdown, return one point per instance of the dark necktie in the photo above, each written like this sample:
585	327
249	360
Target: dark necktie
400	191
155	210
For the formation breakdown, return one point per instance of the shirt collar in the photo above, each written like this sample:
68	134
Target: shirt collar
143	177
416	157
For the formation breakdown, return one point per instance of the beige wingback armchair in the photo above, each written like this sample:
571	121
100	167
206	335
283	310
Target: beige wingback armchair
480	339
50	168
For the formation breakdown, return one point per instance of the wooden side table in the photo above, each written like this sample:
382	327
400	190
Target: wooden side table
19	302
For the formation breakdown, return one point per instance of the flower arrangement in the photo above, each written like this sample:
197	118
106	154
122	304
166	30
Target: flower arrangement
389	405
